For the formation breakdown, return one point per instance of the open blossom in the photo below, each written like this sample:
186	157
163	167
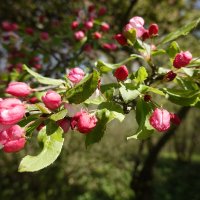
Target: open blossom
12	139
12	111
76	75
121	73
138	24
18	89
52	100
160	120
182	59
83	121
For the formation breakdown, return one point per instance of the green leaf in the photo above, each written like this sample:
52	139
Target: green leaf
97	133
141	75
42	79
131	36
95	100
173	49
182	97
115	110
158	52
127	94
188	71
42	108
51	150
83	90
145	130
181	31
29	130
59	115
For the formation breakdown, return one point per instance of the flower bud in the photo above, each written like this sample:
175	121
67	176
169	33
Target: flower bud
182	59
74	25
105	26
29	31
121	73
102	11
44	36
97	35
6	26
175	119
33	100
88	24
76	75
18	89
12	139
83	121
120	39
52	100
79	35
64	124
160	120
110	47
153	30
145	35
11	111
170	76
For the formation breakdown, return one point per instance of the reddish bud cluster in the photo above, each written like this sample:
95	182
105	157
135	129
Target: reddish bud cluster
121	73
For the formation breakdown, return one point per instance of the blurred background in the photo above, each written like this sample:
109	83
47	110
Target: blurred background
114	168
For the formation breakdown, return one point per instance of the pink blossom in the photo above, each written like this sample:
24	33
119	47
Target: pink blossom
182	59
11	111
79	35
18	89
52	100
160	120
76	75
64	124
83	121
12	139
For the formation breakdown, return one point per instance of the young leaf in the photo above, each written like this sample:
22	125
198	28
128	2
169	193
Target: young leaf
143	110
173	49
59	115
141	75
42	79
181	31
51	150
84	89
97	133
127	94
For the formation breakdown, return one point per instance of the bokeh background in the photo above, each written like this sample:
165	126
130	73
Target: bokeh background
107	170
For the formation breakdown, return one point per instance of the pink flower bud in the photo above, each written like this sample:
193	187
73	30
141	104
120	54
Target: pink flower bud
182	59
52	100
97	35
11	111
153	30
79	35
175	119
29	31
120	39
18	89
83	121
88	24
160	120
74	25
87	47
76	75
14	27
145	35
33	100
110	47
64	124
6	26
102	11
121	73
12	139
170	76
105	26
44	36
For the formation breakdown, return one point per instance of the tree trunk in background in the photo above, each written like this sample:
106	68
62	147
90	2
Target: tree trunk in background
142	180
